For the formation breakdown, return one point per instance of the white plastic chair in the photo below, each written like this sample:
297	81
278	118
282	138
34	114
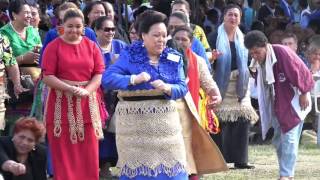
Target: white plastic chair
316	95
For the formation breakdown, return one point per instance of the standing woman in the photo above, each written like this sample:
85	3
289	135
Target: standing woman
198	77
150	77
72	68
232	77
58	30
105	31
93	11
24	39
111	48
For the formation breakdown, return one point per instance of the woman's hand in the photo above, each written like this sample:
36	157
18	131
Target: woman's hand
215	54
214	99
141	78
30	58
160	85
78	91
18	89
15	168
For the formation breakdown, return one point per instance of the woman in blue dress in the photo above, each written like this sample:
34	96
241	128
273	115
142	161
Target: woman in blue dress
111	48
149	78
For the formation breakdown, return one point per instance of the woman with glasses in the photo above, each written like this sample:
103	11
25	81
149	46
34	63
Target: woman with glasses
105	31
111	48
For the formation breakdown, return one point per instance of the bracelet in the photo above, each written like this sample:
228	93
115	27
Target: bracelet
132	78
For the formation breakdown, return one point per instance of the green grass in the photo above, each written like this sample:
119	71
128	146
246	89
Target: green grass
266	164
263	157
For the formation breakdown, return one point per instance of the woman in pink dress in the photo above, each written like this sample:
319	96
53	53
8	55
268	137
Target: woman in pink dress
72	68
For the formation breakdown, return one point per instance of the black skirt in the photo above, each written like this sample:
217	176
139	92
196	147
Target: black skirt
233	141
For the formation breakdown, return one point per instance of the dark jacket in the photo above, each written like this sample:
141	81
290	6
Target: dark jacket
37	160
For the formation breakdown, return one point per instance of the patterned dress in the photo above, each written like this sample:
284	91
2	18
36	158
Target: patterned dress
7	60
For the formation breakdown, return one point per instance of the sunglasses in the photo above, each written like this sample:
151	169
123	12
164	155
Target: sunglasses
108	29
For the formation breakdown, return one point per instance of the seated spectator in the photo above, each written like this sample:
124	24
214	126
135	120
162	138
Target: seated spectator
133	33
311	12
24	39
21	156
10	65
291	40
313	55
212	20
286	6
249	15
93	11
275	36
4	18
257	25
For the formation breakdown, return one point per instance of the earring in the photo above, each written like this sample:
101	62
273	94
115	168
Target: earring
34	148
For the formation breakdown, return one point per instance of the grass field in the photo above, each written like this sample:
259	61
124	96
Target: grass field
266	164
263	157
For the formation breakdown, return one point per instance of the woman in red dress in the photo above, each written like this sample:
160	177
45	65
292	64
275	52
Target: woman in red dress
72	68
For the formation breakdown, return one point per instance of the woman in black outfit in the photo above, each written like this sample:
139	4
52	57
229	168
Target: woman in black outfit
21	156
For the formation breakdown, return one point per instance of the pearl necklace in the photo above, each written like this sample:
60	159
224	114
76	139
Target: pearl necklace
19	33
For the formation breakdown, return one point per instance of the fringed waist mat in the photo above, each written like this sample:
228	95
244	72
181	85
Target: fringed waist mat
75	121
230	110
149	138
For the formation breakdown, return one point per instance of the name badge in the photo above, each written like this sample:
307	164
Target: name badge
173	57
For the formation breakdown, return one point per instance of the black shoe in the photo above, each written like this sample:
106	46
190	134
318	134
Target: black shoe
243	166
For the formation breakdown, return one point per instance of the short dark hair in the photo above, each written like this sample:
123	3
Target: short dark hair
255	39
89	8
15	6
149	18
184	28
257	25
231	6
97	24
184	2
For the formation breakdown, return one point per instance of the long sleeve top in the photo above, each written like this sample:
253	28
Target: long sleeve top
289	71
36	162
134	60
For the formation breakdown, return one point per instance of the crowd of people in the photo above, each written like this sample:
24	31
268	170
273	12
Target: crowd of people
158	89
